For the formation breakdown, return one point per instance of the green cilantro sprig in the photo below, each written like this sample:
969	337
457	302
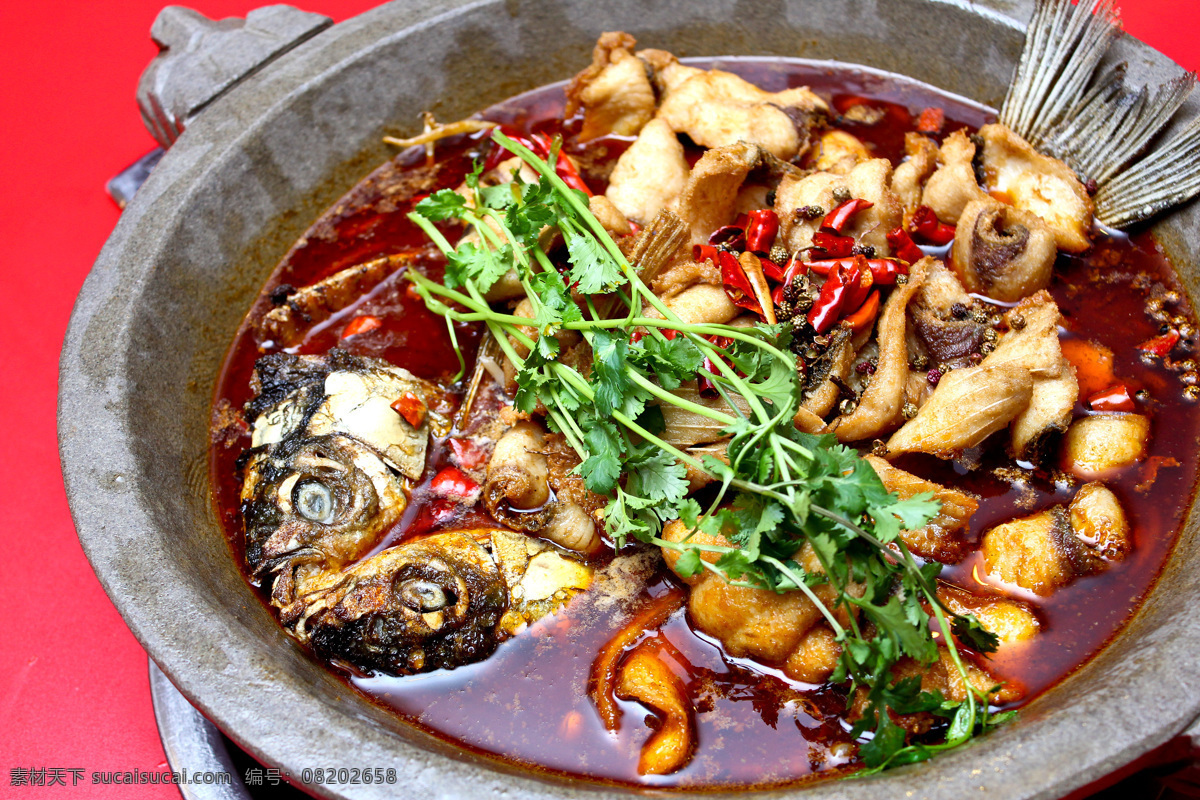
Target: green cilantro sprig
781	488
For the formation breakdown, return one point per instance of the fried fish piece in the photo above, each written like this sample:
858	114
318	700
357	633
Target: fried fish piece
650	174
869	180
1038	184
953	185
1052	548
968	405
614	91
944	537
1003	252
1012	621
288	323
1102	444
757	623
717	109
940	676
880	403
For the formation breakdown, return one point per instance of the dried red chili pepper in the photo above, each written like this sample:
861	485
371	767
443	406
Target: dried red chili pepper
1114	398
639	334
827	265
731	236
752	267
452	482
737	286
839	218
364	323
761	229
771	270
794	269
1160	345
541	146
704	252
926	225
704	384
834	245
570	175
884	270
857	290
411	407
903	246
931	120
829	304
866	313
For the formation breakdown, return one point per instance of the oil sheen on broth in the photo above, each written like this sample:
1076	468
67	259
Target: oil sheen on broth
528	703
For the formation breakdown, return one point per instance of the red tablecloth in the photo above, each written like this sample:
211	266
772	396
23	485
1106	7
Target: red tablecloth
73	682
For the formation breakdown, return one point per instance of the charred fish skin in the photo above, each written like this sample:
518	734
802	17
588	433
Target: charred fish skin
430	604
342	393
280	376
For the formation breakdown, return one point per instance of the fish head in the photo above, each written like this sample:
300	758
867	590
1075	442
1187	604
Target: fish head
433	603
331	458
322	499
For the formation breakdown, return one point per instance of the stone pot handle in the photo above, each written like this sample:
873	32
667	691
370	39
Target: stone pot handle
200	59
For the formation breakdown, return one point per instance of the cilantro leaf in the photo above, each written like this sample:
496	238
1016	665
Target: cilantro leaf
592	269
887	741
602	467
658	477
442	205
611	381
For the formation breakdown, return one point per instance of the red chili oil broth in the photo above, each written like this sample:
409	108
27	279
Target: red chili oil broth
528	703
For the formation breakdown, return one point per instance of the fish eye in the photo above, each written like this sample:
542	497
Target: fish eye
313	501
422	595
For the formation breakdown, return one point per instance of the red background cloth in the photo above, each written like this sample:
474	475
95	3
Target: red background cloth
73	681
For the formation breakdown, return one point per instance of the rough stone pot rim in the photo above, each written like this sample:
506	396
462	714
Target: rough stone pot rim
128	361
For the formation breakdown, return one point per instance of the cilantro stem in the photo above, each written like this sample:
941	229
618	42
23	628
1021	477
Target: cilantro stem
681	547
698	328
566	424
462	362
730	374
675	400
430	230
